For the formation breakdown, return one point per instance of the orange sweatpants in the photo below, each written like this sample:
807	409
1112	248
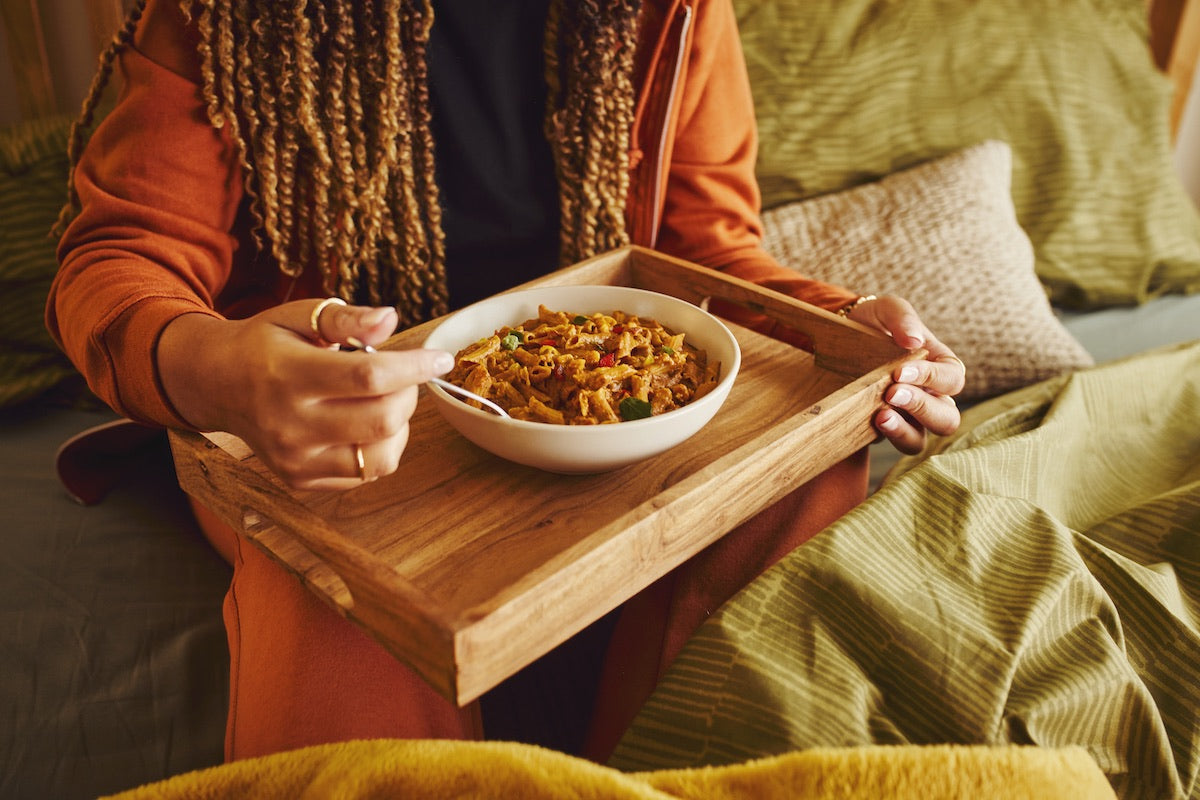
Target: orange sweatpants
301	674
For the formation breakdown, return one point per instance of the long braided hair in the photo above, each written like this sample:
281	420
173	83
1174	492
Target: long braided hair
328	104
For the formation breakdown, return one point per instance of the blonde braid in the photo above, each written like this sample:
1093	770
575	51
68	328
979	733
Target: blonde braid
328	104
245	76
341	49
620	106
426	287
371	149
278	122
590	49
313	157
78	136
383	84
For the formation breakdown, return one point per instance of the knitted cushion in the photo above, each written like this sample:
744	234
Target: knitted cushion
944	236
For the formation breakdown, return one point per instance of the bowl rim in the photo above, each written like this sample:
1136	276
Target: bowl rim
726	379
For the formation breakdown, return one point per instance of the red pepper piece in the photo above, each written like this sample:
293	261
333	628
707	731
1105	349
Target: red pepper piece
608	359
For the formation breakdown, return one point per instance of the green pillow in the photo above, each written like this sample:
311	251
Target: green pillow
848	91
33	187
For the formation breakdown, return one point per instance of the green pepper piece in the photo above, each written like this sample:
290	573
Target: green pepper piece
510	342
632	408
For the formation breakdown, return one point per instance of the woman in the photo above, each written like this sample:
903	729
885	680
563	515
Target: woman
408	159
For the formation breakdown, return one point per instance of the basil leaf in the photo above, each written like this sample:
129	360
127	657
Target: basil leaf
632	408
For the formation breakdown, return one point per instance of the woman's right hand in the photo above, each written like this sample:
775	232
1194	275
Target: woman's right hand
304	407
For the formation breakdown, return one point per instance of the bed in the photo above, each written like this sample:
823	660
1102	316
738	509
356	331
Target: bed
1010	163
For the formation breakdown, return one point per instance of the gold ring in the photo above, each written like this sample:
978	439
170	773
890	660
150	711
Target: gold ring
314	321
362	462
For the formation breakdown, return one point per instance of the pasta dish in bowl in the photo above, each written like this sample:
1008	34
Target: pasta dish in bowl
564	368
593	377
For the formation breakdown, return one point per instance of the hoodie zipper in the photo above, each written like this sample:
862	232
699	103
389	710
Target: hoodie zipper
685	25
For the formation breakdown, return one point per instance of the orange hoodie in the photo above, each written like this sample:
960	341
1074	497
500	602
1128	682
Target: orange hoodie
163	231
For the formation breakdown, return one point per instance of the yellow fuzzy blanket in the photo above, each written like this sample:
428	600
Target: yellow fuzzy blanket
437	769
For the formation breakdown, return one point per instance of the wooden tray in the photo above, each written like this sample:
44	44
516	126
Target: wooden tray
469	567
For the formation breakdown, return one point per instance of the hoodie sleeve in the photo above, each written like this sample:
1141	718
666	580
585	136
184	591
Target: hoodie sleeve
159	189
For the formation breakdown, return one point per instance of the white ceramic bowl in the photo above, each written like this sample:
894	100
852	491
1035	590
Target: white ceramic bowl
581	449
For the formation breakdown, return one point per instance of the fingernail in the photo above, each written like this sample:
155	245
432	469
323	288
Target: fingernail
901	397
915	333
908	374
889	422
443	363
375	316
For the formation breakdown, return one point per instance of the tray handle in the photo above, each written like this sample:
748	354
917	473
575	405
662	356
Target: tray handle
382	600
839	344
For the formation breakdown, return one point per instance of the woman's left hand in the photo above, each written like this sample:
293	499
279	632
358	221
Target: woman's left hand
921	400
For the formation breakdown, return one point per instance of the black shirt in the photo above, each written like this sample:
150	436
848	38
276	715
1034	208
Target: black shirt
494	168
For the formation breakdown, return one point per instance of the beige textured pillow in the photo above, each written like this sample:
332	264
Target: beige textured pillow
944	236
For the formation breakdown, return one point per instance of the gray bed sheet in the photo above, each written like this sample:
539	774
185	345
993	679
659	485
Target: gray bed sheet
113	658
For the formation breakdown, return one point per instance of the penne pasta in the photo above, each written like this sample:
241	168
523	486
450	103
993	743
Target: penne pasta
570	369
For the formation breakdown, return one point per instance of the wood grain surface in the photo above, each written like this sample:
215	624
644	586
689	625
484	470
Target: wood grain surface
469	567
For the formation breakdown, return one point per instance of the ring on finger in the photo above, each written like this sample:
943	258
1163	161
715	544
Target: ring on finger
314	321
361	462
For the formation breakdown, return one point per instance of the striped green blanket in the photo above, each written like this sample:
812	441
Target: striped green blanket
1034	579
